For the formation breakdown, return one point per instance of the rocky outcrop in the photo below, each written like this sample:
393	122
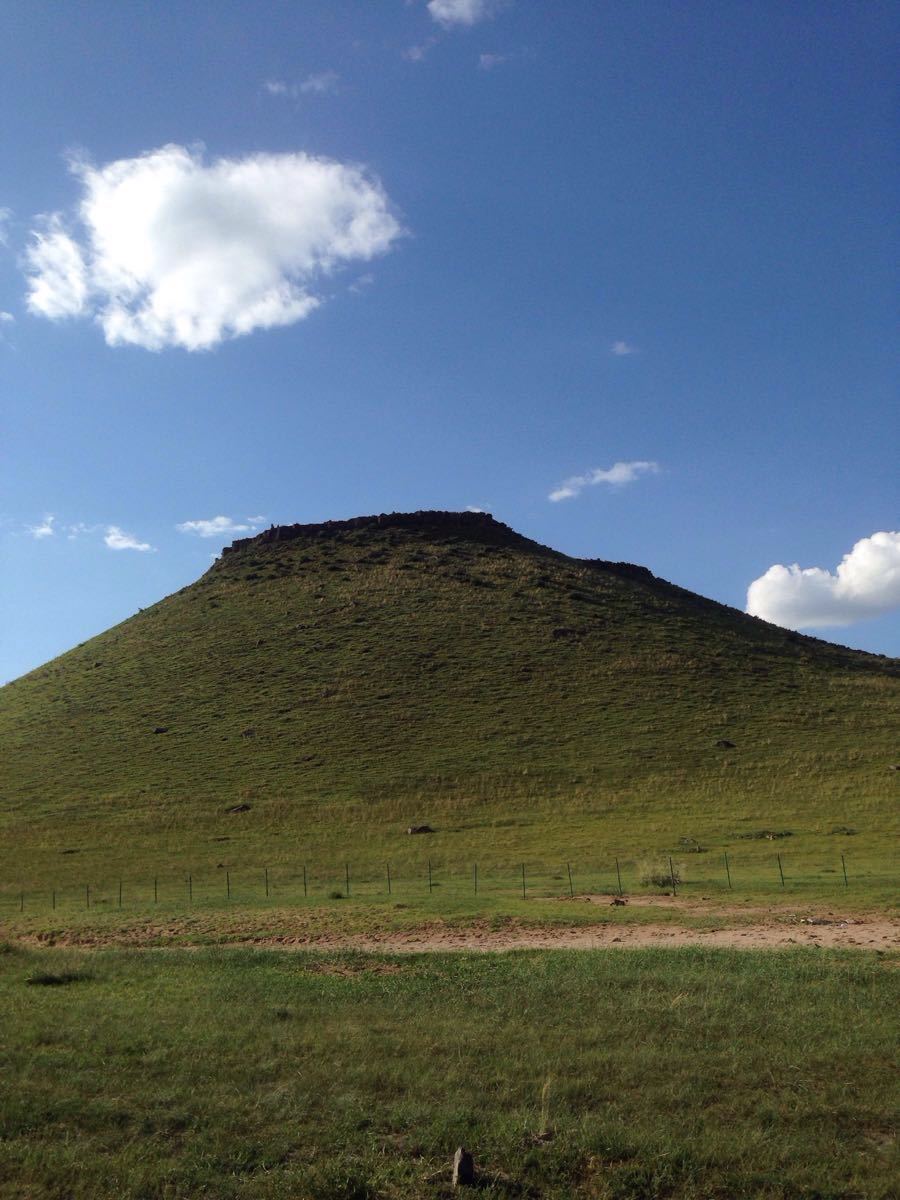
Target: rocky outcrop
480	525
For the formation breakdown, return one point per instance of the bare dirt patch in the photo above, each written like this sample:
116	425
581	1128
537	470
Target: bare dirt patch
706	923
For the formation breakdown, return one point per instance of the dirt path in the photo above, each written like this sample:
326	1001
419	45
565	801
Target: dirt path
740	926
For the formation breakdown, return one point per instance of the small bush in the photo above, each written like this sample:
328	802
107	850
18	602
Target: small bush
658	874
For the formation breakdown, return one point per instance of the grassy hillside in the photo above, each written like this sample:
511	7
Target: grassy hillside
346	680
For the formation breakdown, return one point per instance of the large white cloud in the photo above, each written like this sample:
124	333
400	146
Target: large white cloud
168	250
618	474
865	584
461	12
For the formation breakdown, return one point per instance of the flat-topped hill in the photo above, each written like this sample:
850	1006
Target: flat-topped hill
343	678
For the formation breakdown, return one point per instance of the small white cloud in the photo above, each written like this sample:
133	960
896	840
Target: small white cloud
118	539
621	349
172	251
45	529
5	218
487	62
219	526
319	83
6	318
473	508
617	475
450	13
362	282
865	584
419	52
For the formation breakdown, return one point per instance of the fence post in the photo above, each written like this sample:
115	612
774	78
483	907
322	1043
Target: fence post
430	884
267	881
389	878
87	894
190	889
120	893
347	876
780	869
672	876
844	869
475	876
728	871
523	881
227	885
571	884
619	876
155	890
21	902
54	898
305	892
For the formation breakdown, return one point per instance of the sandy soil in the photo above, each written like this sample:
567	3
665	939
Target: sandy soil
741	927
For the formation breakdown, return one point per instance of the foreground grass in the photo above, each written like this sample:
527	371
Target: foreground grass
258	1074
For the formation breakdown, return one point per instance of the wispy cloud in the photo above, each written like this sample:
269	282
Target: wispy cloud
58	275
419	52
866	583
617	475
219	526
451	13
622	349
5	218
43	529
117	539
6	318
319	83
487	62
168	250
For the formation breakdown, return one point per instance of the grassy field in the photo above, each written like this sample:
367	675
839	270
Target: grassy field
528	706
335	1077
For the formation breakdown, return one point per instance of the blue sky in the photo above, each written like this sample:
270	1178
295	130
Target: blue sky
282	262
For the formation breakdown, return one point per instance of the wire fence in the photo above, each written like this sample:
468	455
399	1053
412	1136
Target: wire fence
305	883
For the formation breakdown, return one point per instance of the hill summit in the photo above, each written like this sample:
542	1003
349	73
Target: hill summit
386	666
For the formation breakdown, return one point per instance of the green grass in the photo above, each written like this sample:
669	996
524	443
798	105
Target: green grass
529	706
641	1074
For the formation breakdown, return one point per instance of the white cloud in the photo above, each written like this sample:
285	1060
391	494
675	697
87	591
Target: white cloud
461	12
118	539
58	283
5	218
621	349
219	526
473	508
6	318
865	584
319	83
173	251
618	474
45	529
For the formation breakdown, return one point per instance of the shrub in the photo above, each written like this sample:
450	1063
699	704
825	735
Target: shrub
658	874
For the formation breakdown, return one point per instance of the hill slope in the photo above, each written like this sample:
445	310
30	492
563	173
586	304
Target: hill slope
345	678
